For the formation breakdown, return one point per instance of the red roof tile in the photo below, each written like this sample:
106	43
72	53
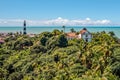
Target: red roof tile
82	31
2	41
71	34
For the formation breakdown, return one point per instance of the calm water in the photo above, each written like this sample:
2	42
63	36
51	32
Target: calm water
37	30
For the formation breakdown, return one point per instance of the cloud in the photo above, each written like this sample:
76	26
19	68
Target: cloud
54	22
10	22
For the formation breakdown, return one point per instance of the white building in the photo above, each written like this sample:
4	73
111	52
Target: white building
86	35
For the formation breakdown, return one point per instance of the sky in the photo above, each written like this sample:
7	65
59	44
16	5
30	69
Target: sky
59	12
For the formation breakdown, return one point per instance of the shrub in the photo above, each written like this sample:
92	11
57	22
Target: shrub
62	41
38	49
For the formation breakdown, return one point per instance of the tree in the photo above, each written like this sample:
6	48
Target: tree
38	49
63	28
72	30
56	32
112	33
27	42
62	41
51	43
116	69
16	76
3	74
20	44
46	34
23	58
43	40
115	62
56	58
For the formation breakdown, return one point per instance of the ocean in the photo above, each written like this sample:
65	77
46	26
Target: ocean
39	29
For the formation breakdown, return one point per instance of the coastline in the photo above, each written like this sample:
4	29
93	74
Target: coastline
40	29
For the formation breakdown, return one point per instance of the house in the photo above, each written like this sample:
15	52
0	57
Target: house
71	35
85	34
1	41
31	35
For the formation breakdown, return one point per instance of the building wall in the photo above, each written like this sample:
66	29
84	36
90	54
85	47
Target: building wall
87	36
79	36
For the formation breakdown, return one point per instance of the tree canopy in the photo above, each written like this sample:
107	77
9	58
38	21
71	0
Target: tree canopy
50	56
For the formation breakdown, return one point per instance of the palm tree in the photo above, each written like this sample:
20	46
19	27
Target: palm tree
72	30
63	28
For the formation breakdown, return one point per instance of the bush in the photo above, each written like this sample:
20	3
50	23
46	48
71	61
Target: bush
27	42
46	34
56	32
116	69
16	76
62	41
43	40
51	43
38	49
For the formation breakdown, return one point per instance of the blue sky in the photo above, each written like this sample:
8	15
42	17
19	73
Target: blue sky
44	12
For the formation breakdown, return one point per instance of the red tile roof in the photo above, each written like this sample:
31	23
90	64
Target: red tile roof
2	41
83	31
71	34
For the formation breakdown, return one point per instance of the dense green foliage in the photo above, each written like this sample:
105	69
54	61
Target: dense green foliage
50	56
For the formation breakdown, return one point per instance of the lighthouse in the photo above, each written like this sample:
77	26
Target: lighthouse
24	27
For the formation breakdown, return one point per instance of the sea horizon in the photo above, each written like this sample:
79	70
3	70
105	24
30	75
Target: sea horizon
40	29
69	26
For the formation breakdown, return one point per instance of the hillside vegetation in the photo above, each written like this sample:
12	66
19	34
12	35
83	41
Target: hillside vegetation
50	56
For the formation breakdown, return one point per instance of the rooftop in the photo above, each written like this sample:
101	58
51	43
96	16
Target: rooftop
71	34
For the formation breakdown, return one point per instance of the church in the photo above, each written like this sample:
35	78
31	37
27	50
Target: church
83	34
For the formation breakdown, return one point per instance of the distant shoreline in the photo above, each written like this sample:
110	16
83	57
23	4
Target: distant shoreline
40	29
67	26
